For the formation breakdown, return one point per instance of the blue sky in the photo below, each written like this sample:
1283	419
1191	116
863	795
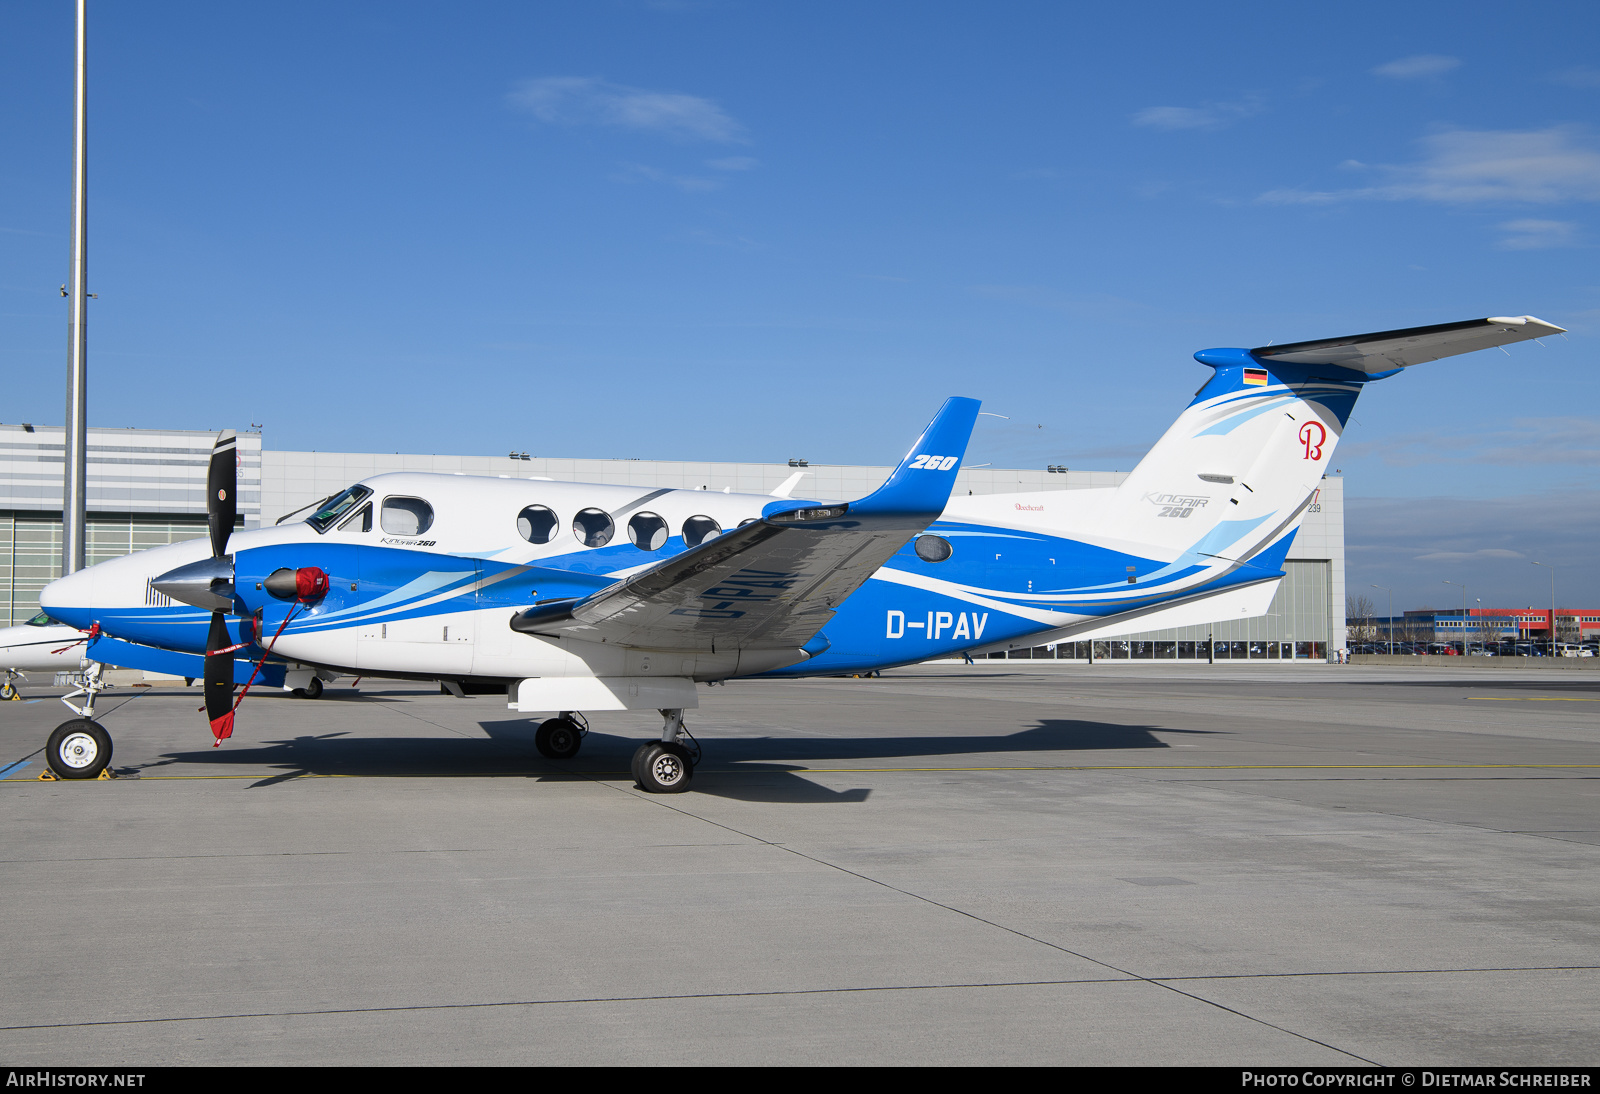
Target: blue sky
750	231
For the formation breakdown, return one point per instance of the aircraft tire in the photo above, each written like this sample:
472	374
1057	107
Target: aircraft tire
663	768
78	749
557	739
312	690
7	691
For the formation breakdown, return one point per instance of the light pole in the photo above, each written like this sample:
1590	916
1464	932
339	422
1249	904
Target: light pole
1463	589
1552	570
73	552
1390	627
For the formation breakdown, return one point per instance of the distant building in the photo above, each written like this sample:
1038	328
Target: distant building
1489	624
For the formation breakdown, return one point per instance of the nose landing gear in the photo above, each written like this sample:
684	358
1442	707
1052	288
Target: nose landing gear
81	748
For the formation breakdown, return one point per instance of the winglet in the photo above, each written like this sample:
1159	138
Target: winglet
919	488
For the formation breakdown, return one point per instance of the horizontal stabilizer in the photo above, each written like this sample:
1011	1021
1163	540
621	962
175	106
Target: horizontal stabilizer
1387	350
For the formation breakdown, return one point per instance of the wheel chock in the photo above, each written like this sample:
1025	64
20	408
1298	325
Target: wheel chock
48	776
105	776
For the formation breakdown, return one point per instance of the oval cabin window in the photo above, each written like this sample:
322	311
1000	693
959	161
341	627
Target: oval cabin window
647	531
932	548
593	527
696	530
406	516
536	524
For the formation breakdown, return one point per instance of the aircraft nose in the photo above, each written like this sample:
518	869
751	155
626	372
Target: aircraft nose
70	599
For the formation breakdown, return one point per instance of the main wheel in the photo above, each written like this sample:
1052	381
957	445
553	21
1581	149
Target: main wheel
663	768
558	739
312	690
79	749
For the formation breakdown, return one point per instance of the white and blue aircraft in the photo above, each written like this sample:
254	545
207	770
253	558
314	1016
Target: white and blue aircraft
576	597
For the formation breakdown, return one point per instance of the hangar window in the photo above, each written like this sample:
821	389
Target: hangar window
406	516
647	531
932	548
536	524
337	506
696	530
593	527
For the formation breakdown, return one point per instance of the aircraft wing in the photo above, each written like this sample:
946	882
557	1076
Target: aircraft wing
775	583
1387	350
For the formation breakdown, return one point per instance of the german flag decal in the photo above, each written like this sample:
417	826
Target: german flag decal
1255	377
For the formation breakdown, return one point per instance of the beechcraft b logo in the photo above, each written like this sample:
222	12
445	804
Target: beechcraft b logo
1313	435
935	463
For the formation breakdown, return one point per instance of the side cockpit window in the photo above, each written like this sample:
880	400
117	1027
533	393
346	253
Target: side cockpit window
536	524
359	521
404	516
336	507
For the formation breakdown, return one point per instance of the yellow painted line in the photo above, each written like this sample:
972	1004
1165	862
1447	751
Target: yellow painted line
1208	767
1530	699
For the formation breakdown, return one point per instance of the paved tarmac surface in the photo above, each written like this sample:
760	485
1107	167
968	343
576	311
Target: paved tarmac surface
1012	863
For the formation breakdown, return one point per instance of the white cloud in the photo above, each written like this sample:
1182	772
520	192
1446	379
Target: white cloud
1577	77
1421	65
1459	556
1205	116
1412	544
1538	235
583	100
734	163
1462	166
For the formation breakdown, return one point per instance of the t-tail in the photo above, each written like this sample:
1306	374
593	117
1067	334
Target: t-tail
1215	504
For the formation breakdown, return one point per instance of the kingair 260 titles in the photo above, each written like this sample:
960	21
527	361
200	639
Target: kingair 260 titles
576	597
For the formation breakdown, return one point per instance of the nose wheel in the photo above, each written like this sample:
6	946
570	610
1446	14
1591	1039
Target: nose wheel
78	749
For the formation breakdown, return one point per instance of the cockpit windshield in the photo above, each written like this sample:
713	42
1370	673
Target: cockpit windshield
42	620
336	507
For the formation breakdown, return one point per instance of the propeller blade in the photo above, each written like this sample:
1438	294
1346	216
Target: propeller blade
219	678
222	486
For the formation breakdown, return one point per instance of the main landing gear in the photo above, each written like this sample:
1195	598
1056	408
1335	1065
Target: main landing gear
667	766
560	737
81	748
